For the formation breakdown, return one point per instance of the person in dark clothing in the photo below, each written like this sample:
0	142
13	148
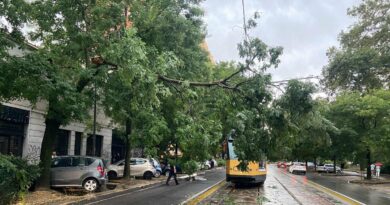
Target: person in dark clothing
211	163
172	172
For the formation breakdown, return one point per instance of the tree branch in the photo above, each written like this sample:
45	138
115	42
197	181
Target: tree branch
191	83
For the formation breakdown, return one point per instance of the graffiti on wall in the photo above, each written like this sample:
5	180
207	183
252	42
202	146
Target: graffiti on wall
33	153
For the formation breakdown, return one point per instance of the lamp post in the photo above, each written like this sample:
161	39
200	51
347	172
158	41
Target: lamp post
94	121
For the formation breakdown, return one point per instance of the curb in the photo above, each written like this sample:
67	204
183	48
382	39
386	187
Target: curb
134	189
204	194
367	182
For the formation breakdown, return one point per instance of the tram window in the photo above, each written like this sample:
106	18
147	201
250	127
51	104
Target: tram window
262	164
232	154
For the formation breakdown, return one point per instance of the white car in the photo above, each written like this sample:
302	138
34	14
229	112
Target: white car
139	167
329	168
207	164
297	167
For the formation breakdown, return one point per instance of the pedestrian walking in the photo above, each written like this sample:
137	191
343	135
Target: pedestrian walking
378	171
172	172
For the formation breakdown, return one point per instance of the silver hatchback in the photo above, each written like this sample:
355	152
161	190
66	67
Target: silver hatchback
78	171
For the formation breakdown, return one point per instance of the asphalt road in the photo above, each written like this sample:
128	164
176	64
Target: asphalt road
162	194
355	191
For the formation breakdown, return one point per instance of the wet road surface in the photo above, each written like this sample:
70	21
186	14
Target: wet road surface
279	188
355	191
162	194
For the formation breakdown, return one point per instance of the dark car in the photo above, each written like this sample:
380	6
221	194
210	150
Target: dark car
78	171
166	169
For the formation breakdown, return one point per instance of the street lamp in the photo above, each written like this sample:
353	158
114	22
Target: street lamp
94	120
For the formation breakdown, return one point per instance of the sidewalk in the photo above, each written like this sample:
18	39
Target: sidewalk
72	195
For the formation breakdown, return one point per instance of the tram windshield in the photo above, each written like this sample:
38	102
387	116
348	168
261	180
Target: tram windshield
232	154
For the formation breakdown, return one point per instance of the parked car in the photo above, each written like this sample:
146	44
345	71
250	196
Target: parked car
139	167
310	165
78	171
156	165
207	164
330	168
166	169
297	167
215	163
320	168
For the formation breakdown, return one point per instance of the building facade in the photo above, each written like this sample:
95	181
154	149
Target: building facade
22	127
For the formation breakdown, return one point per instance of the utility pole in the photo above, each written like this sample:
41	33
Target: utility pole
94	121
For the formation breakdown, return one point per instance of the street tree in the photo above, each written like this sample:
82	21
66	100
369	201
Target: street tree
361	63
363	124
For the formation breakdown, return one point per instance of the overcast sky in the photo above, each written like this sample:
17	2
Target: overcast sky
304	28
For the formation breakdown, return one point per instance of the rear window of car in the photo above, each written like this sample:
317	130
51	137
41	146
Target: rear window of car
89	161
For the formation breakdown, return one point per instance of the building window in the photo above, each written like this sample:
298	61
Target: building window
62	142
77	143
12	129
11	145
95	150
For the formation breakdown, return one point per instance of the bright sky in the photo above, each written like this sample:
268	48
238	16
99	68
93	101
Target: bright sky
304	28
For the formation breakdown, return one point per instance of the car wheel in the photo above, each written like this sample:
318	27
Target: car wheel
90	185
112	175
158	174
148	175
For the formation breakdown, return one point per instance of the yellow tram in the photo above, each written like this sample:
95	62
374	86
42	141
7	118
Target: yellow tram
256	173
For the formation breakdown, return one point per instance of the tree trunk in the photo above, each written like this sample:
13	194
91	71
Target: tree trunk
315	164
334	164
368	164
126	172
51	130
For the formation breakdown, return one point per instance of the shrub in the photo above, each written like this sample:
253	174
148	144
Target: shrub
385	169
16	176
190	167
221	162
